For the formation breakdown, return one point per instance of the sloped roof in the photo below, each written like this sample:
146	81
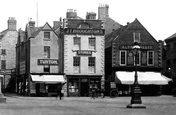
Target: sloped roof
171	37
3	33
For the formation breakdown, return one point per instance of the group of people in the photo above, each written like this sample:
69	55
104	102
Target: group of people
95	92
60	93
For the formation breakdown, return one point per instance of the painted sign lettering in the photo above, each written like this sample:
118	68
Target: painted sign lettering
84	31
48	61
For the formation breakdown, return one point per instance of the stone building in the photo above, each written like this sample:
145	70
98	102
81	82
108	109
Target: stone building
39	67
8	40
83	54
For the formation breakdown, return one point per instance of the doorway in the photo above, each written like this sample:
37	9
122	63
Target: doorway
84	88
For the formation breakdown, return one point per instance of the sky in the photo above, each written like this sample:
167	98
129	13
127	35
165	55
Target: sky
157	16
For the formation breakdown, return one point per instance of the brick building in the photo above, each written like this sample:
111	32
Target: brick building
39	67
83	41
119	59
8	40
170	69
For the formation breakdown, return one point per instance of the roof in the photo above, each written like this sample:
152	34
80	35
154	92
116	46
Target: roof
171	37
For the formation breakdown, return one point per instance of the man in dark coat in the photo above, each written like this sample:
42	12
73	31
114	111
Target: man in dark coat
59	91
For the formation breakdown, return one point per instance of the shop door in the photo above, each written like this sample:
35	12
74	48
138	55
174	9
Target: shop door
84	88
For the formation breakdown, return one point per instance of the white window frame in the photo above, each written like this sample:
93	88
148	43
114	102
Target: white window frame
125	58
94	47
134	37
148	58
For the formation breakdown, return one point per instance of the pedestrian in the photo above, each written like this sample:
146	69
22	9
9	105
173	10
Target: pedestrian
59	91
93	91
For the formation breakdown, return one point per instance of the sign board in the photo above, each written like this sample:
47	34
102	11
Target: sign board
7	71
84	52
48	62
143	47
84	31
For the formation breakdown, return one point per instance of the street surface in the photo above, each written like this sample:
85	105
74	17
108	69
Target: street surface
18	105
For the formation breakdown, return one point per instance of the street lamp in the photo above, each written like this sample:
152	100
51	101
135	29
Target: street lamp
136	101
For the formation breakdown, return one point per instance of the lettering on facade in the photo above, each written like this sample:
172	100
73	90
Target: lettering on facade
84	31
48	62
144	47
84	52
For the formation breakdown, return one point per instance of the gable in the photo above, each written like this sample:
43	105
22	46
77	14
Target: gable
137	27
46	27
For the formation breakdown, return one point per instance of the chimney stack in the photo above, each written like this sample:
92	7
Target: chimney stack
11	24
91	16
32	24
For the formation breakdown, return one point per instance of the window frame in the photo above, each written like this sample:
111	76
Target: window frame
124	58
92	45
47	52
149	57
139	37
92	64
3	64
77	42
3	51
46	36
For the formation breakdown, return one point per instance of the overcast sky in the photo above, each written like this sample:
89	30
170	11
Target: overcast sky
157	16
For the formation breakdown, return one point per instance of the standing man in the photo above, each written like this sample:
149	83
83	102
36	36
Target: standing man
59	93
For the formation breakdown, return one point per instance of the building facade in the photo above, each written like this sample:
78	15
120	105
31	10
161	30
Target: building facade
39	68
170	68
120	59
8	40
83	41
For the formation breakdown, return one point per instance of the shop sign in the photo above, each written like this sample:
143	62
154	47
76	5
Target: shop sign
84	31
48	61
144	47
7	71
84	52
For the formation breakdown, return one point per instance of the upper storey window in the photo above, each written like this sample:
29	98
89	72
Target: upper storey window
136	37
46	35
77	43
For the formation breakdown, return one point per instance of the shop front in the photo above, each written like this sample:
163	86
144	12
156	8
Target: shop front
81	85
45	85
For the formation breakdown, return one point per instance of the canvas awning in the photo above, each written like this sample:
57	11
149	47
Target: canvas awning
48	78
144	78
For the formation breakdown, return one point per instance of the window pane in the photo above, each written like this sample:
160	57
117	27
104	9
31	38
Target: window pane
76	61
136	37
3	51
46	68
77	43
122	58
92	43
3	64
46	51
47	35
150	57
91	64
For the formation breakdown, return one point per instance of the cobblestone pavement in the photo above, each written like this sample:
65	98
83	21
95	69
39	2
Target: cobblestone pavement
18	105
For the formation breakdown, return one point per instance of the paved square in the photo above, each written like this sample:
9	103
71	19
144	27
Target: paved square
17	105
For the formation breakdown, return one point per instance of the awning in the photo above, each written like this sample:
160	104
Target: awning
48	78
144	78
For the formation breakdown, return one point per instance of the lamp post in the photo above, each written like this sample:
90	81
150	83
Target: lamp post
136	101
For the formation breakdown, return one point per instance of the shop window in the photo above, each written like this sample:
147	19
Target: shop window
77	43
46	68
92	43
91	64
136	37
76	64
3	64
122	58
73	87
47	52
46	35
150	58
130	58
3	51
